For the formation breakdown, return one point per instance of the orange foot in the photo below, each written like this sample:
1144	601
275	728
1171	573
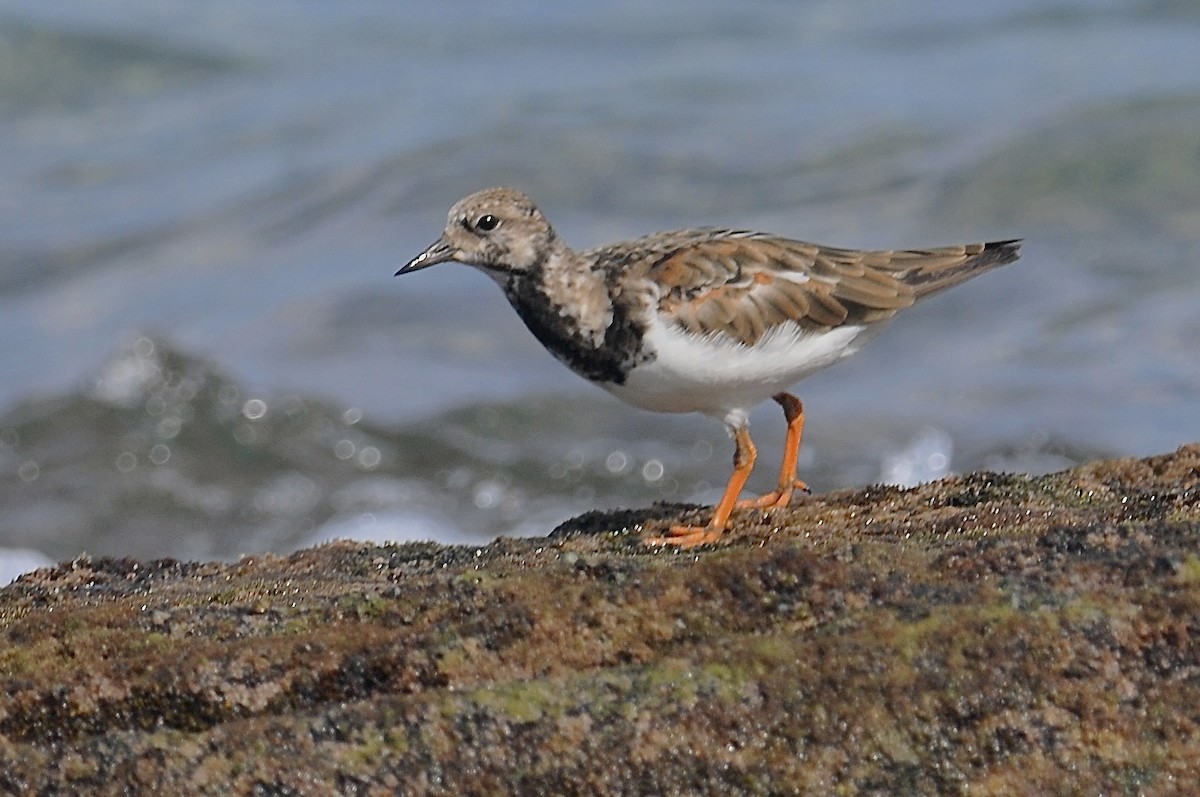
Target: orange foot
793	412
774	499
687	536
691	536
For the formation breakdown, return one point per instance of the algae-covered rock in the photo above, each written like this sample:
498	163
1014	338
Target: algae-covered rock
985	634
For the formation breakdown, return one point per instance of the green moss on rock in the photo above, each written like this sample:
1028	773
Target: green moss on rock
988	634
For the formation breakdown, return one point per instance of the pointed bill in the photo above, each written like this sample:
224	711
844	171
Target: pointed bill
438	252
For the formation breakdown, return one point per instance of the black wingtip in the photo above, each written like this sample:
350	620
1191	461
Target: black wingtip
986	257
1010	248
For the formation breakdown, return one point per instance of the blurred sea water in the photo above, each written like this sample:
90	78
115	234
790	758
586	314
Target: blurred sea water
201	205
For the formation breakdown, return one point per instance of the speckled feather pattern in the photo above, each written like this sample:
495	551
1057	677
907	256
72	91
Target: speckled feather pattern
701	320
742	284
695	297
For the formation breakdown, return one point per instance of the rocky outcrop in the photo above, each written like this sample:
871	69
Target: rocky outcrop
985	634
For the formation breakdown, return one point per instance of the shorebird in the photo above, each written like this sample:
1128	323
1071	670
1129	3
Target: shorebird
707	320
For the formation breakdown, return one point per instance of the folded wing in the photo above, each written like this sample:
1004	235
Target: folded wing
742	285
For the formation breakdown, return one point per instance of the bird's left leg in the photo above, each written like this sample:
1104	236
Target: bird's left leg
743	462
793	411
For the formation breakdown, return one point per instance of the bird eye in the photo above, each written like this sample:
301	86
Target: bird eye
487	223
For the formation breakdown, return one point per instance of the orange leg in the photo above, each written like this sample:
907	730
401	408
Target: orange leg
690	536
793	411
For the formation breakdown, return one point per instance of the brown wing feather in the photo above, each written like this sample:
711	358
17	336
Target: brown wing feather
933	270
742	285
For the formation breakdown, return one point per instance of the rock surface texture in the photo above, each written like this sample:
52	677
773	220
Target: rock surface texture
985	634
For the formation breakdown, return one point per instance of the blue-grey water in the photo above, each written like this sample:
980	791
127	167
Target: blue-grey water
204	352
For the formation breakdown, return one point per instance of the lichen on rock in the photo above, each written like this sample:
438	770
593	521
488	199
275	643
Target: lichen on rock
990	634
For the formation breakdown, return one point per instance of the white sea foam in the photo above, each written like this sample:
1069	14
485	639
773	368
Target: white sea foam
15	561
390	526
926	457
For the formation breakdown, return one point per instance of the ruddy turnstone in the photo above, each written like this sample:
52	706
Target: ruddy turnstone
707	320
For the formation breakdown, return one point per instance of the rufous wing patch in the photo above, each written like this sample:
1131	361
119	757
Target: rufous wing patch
743	287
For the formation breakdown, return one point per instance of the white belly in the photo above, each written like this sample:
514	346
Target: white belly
725	379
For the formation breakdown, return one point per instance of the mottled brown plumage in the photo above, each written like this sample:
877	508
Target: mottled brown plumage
700	320
742	285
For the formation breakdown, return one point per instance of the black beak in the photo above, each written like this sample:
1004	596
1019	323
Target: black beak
439	252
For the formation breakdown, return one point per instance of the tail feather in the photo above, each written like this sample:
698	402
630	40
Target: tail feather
938	276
